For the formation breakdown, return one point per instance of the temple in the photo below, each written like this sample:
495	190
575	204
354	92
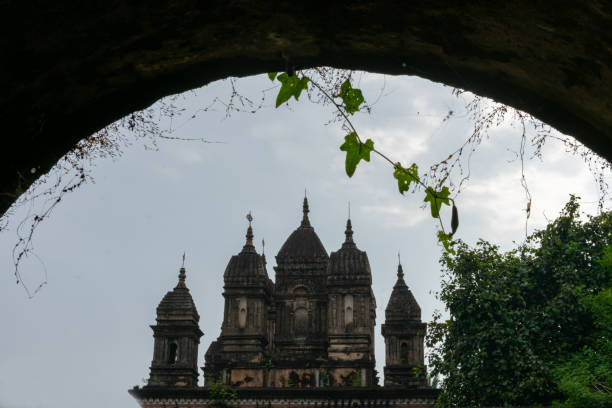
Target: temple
306	339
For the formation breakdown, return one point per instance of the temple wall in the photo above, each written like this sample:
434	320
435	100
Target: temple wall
288	403
290	377
246	377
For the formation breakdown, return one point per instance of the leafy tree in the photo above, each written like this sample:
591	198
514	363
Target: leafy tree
585	378
515	316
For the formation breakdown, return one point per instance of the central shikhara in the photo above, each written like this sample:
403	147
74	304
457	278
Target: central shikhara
311	328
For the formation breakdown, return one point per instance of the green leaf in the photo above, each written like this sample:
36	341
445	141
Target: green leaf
291	86
351	97
405	176
447	242
436	199
272	75
355	151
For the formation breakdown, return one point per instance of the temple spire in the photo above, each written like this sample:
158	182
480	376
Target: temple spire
349	235
400	271
182	275
263	251
306	210
248	246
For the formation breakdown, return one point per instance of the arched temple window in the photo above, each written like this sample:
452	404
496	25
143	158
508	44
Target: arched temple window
172	352
404	353
242	312
301	322
348	310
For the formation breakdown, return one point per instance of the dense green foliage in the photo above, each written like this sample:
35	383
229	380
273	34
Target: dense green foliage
585	378
519	321
217	390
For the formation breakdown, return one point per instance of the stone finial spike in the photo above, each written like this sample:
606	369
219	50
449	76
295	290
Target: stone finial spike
249	236
306	210
263	253
248	246
349	232
349	210
400	271
182	275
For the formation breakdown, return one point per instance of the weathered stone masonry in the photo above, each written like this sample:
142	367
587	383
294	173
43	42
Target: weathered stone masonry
306	339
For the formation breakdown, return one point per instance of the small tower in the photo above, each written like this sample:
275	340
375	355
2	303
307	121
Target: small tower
238	354
351	312
177	336
404	334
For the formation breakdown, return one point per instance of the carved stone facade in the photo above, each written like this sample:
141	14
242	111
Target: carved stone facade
311	329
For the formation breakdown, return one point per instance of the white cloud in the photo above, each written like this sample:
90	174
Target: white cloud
189	156
395	216
498	203
402	144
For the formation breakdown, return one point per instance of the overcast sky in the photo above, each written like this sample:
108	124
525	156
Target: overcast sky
113	248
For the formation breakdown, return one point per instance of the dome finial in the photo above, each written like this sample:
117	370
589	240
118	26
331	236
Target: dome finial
248	246
306	210
400	271
349	234
182	274
263	254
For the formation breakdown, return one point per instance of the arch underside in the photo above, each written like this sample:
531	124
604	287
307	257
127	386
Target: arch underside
69	68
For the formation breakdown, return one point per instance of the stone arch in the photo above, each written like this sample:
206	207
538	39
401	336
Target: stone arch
300	290
517	53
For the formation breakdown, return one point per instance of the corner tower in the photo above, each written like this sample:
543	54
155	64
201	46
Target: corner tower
351	314
404	334
241	349
177	336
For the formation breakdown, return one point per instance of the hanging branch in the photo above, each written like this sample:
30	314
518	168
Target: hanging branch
347	102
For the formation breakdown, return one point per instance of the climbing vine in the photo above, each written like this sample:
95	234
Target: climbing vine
321	85
347	101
